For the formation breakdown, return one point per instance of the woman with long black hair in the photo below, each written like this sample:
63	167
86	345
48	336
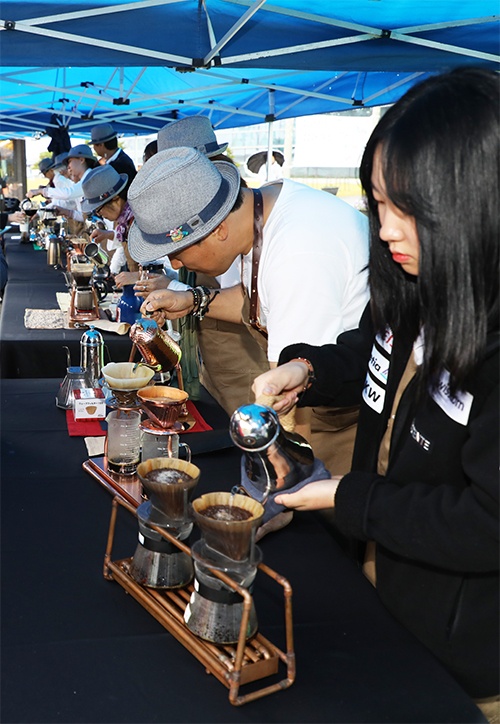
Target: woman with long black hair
423	490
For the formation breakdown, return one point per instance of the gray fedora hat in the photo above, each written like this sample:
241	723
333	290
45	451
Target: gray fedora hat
178	197
60	159
100	186
101	134
81	151
195	131
46	164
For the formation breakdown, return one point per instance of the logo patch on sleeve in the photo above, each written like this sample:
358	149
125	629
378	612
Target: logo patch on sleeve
373	395
456	406
378	366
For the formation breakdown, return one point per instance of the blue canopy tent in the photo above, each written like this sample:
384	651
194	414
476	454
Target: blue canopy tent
140	64
142	100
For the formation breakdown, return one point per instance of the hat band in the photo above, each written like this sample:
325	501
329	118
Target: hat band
106	194
180	232
104	140
209	147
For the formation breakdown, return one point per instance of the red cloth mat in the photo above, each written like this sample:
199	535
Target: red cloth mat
93	428
83	428
200	424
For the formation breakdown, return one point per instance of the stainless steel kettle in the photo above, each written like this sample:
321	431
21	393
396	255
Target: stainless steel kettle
76	379
273	459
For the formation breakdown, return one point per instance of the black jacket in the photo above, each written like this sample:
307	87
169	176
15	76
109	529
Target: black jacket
124	164
434	515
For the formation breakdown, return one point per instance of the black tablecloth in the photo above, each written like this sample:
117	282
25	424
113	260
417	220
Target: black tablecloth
39	352
27	264
76	648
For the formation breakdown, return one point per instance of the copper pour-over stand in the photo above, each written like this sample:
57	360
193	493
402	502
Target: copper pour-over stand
233	665
83	316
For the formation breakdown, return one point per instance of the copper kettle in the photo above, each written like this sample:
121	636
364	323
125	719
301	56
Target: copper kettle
157	348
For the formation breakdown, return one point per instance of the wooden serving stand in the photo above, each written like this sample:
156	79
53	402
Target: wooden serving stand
234	665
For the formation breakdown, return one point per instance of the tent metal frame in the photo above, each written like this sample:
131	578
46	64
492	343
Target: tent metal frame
233	89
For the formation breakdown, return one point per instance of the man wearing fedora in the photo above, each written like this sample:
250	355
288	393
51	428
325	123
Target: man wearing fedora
79	161
303	252
105	143
56	173
230	358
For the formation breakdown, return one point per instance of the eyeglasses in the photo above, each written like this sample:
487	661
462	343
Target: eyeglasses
97	211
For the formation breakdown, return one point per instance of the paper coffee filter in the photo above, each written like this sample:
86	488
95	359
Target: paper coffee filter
232	538
162	393
225	498
172	463
123	376
172	498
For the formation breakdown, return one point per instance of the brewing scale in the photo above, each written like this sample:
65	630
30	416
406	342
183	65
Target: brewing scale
238	664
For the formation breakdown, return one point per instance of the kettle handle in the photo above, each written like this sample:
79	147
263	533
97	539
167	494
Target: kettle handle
101	290
287	421
68	356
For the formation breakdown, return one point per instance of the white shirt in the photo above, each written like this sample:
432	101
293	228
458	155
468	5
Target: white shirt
312	284
62	183
74	193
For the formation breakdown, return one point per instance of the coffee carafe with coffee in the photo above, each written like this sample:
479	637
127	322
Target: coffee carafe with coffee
169	484
228	523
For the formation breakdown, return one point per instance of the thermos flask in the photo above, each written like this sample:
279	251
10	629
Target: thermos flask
92	355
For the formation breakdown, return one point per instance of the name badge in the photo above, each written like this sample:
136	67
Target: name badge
456	406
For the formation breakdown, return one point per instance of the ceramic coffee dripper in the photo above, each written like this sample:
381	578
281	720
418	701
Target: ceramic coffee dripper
124	379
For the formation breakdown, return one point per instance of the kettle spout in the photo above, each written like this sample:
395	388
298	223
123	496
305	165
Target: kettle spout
156	368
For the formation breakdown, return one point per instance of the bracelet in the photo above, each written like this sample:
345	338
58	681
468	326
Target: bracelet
311	377
196	300
202	300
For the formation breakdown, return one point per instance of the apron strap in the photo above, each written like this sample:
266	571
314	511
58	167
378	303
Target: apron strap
256	251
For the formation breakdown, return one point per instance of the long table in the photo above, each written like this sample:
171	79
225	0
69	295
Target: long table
34	353
77	648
